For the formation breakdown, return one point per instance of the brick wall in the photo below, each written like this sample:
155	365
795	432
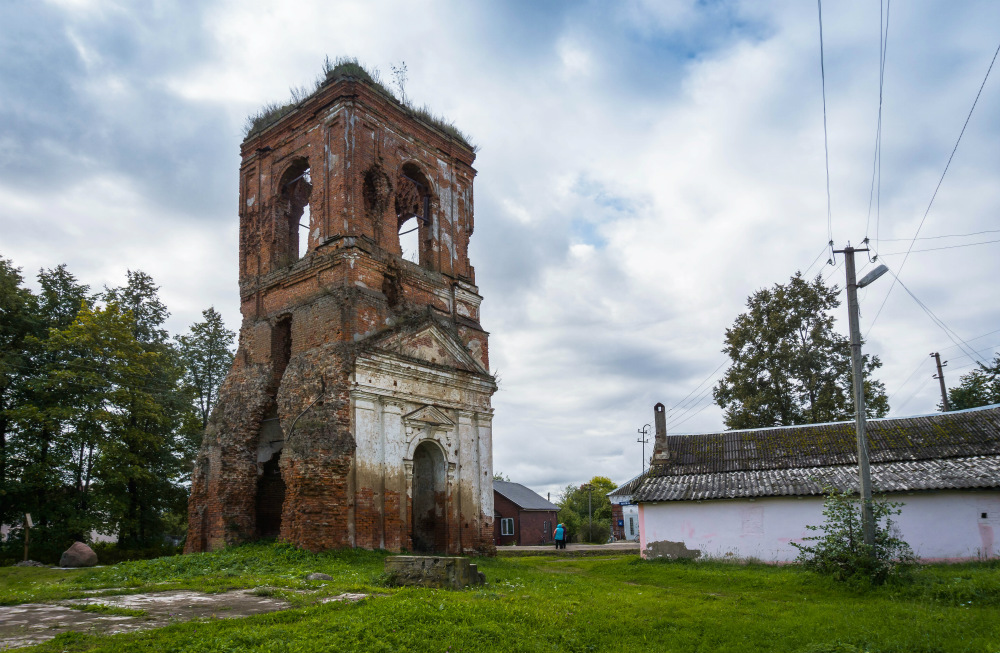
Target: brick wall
306	321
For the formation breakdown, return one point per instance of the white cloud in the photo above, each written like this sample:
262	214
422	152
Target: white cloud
644	168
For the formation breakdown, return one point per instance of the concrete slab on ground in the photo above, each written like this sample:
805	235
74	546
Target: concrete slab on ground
32	623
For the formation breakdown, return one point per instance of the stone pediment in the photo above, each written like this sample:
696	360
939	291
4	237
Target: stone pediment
433	345
429	415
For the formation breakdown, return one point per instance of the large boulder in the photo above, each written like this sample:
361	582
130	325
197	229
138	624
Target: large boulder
78	555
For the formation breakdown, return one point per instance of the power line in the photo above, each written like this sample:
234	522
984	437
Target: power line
826	144
974	233
976	338
883	44
936	189
934	249
697	387
818	257
923	362
938	321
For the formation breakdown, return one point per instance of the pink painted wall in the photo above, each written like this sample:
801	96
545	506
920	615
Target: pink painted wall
945	525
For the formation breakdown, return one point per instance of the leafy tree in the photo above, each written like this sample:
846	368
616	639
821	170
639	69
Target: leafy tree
207	355
500	476
579	503
151	431
788	364
840	551
39	449
980	387
18	320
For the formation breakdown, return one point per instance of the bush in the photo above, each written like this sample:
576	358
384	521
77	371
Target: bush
841	552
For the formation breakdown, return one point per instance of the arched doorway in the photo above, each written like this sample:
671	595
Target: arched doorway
270	498
429	518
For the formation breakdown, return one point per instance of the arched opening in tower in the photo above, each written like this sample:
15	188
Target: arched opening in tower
429	518
295	217
413	214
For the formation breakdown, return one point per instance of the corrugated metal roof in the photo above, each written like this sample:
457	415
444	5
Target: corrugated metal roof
946	450
523	497
628	487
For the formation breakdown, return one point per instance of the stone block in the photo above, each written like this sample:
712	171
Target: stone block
433	571
78	555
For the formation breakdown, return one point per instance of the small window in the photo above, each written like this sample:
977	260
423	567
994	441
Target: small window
507	526
984	515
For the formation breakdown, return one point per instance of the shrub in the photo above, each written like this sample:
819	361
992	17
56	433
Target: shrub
840	551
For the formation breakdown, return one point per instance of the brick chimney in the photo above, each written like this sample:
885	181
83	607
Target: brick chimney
660	450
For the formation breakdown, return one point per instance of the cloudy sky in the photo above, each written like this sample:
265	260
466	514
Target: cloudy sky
644	166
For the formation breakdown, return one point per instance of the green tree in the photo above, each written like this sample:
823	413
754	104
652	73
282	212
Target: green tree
585	510
18	320
980	387
153	427
500	476
207	355
788	364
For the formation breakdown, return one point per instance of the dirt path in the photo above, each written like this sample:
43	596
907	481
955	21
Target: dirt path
33	623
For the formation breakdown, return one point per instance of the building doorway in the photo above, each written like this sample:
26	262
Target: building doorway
429	518
270	498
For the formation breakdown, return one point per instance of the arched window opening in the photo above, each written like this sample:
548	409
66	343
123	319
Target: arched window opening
413	213
409	240
294	221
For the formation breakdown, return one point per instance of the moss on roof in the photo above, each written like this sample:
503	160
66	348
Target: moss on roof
333	71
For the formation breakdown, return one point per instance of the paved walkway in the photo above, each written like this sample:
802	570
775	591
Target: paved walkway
615	548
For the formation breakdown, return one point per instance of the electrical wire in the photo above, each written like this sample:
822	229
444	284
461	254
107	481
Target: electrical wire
883	44
936	189
826	142
974	233
934	249
923	363
966	349
697	387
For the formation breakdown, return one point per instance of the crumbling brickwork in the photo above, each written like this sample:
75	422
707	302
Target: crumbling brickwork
359	399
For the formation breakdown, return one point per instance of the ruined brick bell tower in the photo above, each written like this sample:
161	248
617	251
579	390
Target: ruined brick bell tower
357	411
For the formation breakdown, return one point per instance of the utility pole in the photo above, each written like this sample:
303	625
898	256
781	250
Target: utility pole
590	512
940	377
864	471
643	432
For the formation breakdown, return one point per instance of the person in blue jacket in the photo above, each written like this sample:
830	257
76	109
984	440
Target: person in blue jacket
560	536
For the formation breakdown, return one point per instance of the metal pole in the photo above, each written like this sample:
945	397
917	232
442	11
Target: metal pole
864	473
940	377
643	432
590	513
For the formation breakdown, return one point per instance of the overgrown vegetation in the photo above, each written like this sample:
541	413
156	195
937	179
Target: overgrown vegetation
349	67
841	552
554	604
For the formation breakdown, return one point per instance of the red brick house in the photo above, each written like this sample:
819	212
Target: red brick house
521	516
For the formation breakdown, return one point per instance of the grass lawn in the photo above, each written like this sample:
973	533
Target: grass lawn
542	604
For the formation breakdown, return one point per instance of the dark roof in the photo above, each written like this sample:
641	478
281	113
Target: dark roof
522	497
628	487
959	449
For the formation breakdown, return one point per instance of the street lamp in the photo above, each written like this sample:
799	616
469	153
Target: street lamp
864	471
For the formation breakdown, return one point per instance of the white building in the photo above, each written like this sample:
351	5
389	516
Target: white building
624	511
751	493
